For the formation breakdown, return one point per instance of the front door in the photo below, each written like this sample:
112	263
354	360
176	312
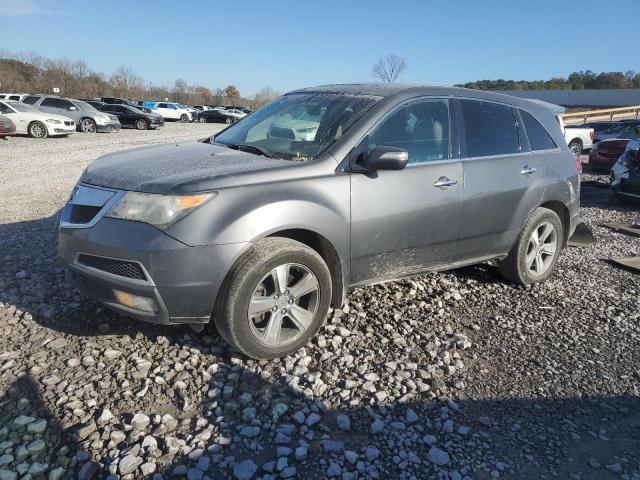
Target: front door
407	221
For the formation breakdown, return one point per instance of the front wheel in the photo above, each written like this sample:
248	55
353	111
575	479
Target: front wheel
202	119
87	125
534	256
275	299
38	130
141	124
228	121
184	118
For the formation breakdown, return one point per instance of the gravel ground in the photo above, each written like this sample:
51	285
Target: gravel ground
452	376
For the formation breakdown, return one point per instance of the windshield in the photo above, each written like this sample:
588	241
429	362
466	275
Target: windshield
298	126
84	106
21	107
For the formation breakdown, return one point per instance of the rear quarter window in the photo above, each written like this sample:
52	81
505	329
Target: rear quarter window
539	138
490	129
31	99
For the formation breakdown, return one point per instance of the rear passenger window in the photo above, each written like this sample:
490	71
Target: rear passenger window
539	138
31	99
162	105
420	127
490	129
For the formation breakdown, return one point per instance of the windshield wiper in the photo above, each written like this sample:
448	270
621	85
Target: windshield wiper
251	148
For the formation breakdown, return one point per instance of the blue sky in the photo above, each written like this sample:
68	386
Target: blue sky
290	44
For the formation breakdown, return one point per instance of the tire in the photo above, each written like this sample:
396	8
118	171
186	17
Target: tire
202	119
142	124
576	147
184	118
38	130
522	265
228	121
88	125
254	334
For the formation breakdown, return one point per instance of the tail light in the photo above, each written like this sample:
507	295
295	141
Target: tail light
578	165
591	135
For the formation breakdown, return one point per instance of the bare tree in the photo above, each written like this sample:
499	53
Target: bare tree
264	96
388	68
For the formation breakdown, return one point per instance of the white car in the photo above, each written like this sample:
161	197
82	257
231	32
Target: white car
31	121
173	111
16	97
236	113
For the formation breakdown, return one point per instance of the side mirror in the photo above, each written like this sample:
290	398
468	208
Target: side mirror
385	158
72	108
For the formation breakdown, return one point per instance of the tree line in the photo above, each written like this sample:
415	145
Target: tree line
33	73
576	81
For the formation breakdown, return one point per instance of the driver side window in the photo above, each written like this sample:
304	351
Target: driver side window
422	128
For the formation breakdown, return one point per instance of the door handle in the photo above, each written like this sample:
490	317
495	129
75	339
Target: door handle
444	182
527	170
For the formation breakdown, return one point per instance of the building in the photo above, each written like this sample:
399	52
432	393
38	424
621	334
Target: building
572	99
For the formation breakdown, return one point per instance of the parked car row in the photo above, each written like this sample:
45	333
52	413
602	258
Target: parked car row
610	143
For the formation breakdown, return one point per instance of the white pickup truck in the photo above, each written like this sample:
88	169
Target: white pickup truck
578	138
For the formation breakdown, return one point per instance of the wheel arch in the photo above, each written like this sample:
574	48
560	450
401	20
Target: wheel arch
562	211
329	254
37	121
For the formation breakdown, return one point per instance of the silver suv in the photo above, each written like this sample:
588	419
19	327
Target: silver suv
87	118
263	226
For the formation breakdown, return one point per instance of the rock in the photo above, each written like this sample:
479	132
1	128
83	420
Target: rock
56	474
86	430
88	471
377	426
301	453
147	468
411	416
334	470
277	411
312	419
111	354
437	456
8	475
250	432
140	421
129	464
194	474
372	453
288	472
343	422
36	447
22	421
105	417
614	467
429	439
36	469
39	426
57	344
244	470
333	446
351	457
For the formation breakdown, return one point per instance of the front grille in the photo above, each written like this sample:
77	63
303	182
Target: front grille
83	213
68	123
121	268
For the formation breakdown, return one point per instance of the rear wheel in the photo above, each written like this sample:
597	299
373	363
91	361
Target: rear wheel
275	299
87	125
38	130
142	124
535	254
576	147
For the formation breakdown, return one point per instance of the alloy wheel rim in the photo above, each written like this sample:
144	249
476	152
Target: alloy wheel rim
283	304
541	249
87	126
37	130
141	124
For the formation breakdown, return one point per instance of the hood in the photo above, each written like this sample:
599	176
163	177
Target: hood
174	168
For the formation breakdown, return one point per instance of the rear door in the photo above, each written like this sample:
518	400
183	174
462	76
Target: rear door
125	115
55	105
407	221
503	180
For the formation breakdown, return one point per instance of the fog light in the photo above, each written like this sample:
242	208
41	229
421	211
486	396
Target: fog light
136	302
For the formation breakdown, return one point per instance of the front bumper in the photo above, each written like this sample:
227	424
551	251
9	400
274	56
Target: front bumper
183	281
109	127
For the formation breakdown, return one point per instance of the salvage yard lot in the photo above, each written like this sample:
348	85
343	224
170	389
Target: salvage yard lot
453	374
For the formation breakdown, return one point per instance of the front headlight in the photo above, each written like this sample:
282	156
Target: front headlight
157	210
53	120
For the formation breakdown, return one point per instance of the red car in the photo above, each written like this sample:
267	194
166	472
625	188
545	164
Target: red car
6	127
606	152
